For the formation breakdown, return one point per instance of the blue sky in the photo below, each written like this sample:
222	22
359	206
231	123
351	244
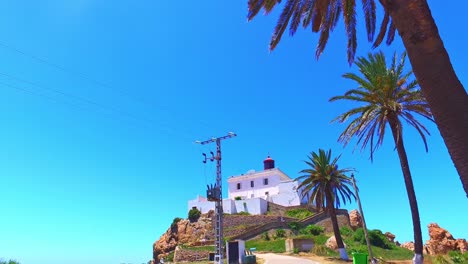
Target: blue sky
100	104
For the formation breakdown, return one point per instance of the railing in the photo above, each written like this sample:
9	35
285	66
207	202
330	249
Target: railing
255	231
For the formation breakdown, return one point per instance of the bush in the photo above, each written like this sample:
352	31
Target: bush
457	257
440	259
320	250
237	198
194	214
265	236
320	239
346	231
299	213
280	233
243	213
358	236
9	262
312	230
174	223
378	239
295	226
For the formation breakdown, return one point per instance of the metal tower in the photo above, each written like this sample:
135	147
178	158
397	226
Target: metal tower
214	193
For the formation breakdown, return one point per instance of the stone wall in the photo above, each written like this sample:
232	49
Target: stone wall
343	220
190	255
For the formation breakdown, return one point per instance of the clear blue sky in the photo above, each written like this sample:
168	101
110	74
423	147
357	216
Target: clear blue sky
100	104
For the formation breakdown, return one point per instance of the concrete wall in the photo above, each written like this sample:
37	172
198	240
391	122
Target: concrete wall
252	206
303	245
204	205
287	194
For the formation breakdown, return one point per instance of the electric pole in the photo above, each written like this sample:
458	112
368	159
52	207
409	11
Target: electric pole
373	261
215	194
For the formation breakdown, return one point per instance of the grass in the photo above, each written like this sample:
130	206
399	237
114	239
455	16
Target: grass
275	246
299	213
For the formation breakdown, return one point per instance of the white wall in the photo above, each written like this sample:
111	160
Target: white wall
288	195
259	189
253	206
204	205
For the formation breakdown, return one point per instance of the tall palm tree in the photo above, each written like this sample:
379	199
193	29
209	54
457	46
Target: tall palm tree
326	186
445	94
387	97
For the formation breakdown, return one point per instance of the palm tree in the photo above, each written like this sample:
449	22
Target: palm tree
387	96
326	186
445	94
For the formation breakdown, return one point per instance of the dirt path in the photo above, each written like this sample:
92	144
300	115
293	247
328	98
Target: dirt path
271	258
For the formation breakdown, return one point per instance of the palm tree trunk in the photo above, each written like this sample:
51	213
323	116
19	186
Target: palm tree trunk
431	64
395	125
336	227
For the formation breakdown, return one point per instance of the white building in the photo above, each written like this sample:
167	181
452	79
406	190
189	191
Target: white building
252	191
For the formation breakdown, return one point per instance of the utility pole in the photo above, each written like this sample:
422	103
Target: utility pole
214	193
373	261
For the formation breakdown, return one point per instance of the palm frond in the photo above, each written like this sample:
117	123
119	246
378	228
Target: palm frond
383	30
283	22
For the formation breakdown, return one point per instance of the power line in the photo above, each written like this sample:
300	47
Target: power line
81	75
117	112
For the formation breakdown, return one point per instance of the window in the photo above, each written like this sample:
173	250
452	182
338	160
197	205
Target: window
238	186
265	181
252	184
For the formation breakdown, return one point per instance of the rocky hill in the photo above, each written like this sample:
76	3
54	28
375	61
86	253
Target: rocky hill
200	232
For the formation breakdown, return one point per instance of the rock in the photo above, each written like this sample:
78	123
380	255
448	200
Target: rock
397	243
408	245
441	241
462	245
331	243
184	233
355	219
390	236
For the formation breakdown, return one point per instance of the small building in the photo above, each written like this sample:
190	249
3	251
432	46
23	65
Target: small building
251	192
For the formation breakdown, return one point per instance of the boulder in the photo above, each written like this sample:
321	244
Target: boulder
390	237
331	243
441	241
355	219
408	245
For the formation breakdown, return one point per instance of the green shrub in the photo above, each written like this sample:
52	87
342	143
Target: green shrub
265	236
280	233
9	262
346	231
194	214
174	223
299	213
295	250
440	259
457	257
295	226
320	239
378	239
237	198
320	250
358	236
243	213
312	230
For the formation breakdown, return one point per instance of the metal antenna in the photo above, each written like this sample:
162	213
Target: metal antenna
215	194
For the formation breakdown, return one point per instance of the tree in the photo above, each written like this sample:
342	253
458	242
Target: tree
387	97
326	186
412	19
